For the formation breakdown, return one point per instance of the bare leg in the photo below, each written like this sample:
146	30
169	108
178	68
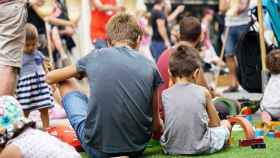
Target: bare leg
231	63
58	43
45	117
7	80
68	86
26	113
226	124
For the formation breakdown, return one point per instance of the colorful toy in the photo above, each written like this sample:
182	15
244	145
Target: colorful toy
247	104
259	132
259	146
250	136
232	106
268	123
67	135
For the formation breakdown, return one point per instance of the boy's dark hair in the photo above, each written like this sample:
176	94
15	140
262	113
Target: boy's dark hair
273	61
124	27
31	32
190	29
184	60
158	1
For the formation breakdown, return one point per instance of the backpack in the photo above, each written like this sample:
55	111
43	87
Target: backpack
249	62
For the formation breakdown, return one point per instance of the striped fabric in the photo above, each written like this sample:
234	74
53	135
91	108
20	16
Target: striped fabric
34	93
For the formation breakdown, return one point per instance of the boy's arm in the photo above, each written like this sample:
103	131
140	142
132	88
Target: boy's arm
214	120
157	122
63	74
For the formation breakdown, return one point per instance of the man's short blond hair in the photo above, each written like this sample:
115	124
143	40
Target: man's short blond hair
123	27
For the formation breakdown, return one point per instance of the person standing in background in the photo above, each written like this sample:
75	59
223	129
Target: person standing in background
237	20
13	16
102	11
161	32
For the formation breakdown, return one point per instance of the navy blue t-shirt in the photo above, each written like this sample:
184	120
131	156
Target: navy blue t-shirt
122	82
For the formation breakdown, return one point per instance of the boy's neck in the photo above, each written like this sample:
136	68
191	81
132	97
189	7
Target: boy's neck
182	80
122	44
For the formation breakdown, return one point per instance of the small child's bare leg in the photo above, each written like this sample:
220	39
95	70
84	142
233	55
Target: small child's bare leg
45	117
26	113
226	124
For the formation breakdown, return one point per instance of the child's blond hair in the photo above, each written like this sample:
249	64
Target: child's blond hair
124	27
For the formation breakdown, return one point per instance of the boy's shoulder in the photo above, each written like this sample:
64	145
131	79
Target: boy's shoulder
192	88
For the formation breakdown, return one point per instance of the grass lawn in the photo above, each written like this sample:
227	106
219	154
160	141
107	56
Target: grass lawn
234	151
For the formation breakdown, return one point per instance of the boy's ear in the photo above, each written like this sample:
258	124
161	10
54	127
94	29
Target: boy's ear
196	73
139	38
109	43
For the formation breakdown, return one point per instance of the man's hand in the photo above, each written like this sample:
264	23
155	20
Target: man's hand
37	2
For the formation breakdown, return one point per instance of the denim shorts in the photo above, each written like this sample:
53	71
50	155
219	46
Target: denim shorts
234	34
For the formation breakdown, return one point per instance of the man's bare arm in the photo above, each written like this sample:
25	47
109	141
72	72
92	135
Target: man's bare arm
62	74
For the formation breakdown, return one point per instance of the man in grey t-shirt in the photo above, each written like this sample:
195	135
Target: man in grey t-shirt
118	118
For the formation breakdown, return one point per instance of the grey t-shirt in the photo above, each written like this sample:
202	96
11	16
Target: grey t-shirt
186	120
122	83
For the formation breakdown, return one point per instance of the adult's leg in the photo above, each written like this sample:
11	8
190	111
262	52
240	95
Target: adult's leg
58	43
232	65
7	80
75	104
230	59
12	21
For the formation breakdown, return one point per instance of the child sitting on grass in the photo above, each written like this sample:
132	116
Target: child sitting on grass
271	98
192	124
20	139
